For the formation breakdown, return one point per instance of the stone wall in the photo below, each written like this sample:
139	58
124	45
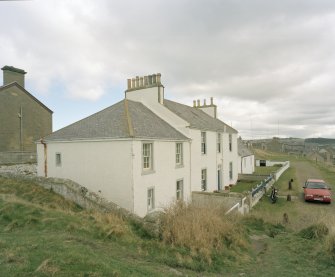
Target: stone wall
17	157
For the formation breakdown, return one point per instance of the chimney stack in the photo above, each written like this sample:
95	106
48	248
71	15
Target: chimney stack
13	74
142	82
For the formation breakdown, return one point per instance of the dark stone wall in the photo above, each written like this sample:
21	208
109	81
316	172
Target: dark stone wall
36	120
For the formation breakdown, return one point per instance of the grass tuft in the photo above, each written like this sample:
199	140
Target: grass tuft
315	231
203	230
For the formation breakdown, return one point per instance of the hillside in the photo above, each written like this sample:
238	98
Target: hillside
320	140
41	234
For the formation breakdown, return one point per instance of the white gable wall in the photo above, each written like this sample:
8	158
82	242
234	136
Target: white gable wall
103	166
246	164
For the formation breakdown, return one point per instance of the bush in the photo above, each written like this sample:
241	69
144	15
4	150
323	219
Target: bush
330	245
202	230
315	231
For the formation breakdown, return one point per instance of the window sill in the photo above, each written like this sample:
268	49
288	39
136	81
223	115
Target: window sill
179	165
147	172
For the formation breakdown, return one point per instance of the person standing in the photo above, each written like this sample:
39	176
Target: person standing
290	184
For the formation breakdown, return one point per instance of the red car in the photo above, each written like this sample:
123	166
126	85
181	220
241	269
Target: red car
317	190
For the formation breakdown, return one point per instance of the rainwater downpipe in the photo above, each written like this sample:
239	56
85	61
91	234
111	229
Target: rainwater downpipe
45	158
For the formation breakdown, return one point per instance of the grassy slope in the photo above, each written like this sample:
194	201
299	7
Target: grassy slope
41	234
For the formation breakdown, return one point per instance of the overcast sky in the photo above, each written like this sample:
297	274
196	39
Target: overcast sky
270	65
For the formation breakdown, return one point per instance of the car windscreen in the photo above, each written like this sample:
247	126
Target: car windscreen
313	185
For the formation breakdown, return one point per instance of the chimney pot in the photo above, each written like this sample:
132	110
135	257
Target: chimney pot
154	78
137	81
141	82
204	102
133	83
198	103
159	78
150	79
194	103
129	83
212	101
145	80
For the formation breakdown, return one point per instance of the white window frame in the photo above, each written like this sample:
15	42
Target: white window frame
203	143
147	156
204	179
180	190
231	170
219	139
58	159
179	154
219	177
151	198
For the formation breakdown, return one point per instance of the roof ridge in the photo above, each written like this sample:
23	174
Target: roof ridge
129	121
14	83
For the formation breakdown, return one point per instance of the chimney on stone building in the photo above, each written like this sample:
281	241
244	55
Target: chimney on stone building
12	74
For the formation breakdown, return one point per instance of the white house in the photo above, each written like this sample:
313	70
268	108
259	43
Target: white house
246	159
145	151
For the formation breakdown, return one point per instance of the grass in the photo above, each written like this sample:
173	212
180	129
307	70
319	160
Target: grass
244	186
42	234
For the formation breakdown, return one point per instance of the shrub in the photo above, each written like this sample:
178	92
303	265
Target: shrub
110	224
202	230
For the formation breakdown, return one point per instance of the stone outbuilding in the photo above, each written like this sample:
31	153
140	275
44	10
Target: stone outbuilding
24	119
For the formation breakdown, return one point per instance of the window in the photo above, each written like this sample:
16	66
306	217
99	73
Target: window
203	142
179	153
230	142
151	199
180	190
219	177
58	159
231	171
147	156
219	142
203	179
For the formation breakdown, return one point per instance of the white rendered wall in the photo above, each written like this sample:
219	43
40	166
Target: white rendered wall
103	167
246	165
230	156
164	176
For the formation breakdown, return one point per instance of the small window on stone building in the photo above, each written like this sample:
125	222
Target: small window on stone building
58	159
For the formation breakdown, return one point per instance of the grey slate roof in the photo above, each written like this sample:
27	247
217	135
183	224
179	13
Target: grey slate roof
197	118
125	119
243	150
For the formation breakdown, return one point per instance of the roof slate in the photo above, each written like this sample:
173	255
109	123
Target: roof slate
125	119
243	150
197	118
